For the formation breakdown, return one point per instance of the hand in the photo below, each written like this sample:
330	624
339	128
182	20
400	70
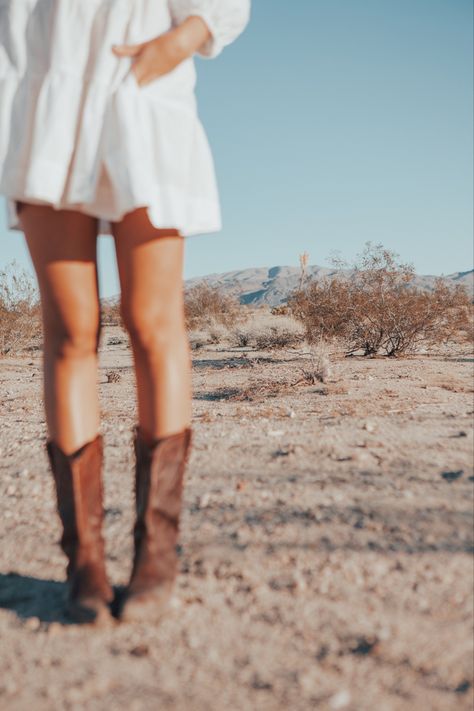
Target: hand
162	54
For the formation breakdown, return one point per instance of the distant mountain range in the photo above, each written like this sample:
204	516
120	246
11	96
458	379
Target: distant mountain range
262	285
272	286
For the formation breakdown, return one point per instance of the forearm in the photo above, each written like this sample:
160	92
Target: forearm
190	35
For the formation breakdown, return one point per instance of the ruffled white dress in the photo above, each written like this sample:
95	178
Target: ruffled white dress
78	132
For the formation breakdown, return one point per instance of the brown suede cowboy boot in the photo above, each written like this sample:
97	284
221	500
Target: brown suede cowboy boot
159	475
79	496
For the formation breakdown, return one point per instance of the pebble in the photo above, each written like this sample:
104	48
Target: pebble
340	700
141	650
54	628
204	501
33	624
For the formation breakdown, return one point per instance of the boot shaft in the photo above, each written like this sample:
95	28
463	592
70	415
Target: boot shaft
159	479
79	494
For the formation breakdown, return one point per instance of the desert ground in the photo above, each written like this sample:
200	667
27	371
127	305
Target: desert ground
326	541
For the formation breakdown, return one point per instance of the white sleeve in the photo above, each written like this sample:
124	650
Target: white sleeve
226	20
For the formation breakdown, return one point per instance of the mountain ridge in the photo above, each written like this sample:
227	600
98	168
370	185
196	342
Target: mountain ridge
272	285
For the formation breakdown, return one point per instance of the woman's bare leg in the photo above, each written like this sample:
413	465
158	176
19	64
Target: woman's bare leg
150	265
62	246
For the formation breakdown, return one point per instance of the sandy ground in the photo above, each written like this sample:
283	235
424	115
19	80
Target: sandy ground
326	542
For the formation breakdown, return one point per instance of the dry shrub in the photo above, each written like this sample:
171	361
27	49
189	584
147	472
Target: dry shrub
378	309
208	306
281	310
216	333
279	336
319	366
198	339
110	313
113	376
20	310
265	331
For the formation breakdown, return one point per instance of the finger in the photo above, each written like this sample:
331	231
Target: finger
127	50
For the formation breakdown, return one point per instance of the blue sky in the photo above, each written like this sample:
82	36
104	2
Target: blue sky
334	122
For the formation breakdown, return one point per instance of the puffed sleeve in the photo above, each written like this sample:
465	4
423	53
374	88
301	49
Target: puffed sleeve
226	20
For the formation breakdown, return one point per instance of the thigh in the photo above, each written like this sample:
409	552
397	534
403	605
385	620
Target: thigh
63	249
150	266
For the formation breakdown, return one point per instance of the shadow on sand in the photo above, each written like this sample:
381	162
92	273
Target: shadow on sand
32	597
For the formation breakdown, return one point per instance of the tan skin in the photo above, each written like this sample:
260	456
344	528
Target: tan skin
62	245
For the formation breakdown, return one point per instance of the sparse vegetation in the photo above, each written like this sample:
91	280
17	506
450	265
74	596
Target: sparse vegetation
374	308
207	306
113	376
378	309
319	368
20	311
267	331
110	314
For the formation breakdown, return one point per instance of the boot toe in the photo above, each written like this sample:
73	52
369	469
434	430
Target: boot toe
91	610
145	606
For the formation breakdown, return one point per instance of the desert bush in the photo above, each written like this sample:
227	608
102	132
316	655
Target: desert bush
198	339
118	341
377	308
319	366
209	306
113	376
110	314
263	331
281	310
20	310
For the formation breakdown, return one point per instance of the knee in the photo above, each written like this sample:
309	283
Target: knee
154	329
78	340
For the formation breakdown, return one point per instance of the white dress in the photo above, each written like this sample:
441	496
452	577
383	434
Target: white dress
78	132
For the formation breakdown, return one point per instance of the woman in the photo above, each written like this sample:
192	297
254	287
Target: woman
99	132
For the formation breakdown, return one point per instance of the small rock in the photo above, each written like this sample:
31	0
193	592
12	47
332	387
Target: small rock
283	582
33	624
284	451
204	501
363	646
141	650
260	684
369	426
340	700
